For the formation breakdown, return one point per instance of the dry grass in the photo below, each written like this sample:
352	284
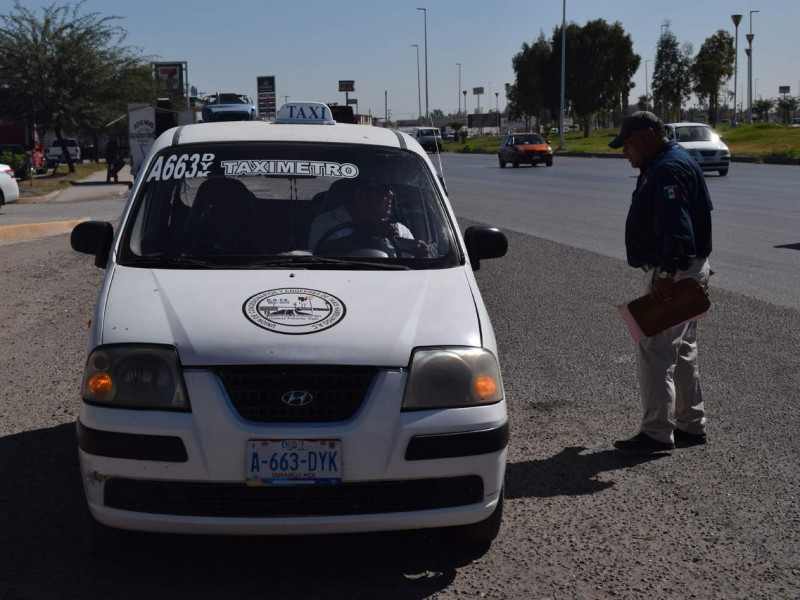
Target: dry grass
57	179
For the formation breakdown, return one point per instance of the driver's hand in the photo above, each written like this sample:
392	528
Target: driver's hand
423	249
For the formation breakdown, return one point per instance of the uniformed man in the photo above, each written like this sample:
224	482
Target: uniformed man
668	235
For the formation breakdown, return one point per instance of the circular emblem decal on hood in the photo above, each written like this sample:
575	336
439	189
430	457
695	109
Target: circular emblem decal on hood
294	311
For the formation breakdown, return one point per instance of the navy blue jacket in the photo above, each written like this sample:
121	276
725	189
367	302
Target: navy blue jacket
669	220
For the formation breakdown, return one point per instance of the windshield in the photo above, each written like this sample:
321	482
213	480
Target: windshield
695	133
270	204
228	99
532	138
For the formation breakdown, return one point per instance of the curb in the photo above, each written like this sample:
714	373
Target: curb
32	231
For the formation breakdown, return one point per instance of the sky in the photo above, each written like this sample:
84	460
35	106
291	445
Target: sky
310	45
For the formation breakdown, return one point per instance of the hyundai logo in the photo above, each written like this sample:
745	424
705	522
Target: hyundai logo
297	398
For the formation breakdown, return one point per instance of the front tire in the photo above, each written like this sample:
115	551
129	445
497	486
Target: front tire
549	163
723	172
502	162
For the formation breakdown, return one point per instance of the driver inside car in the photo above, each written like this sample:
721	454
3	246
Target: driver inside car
362	221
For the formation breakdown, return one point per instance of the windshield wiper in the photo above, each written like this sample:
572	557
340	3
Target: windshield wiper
173	261
277	262
324	261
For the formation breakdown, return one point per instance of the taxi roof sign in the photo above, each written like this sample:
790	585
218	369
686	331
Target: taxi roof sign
305	113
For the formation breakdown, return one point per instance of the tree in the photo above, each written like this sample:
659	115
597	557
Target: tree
762	106
712	66
534	83
672	81
600	64
68	71
787	107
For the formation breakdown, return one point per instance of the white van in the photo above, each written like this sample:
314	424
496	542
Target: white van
289	339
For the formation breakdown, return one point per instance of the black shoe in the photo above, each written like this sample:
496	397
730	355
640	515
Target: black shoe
689	439
642	442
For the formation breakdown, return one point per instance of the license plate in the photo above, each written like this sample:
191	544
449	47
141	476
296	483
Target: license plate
294	462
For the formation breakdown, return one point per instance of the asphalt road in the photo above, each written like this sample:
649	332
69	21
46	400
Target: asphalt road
582	202
582	521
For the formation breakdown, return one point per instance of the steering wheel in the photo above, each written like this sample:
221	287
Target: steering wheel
363	236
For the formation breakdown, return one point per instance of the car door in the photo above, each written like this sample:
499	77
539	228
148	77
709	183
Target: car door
505	148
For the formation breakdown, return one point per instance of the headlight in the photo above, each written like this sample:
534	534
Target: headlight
135	376
452	377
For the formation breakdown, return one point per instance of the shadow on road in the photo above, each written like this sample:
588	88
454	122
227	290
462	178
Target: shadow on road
44	554
569	473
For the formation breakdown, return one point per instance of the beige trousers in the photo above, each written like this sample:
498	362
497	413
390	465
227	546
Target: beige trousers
669	380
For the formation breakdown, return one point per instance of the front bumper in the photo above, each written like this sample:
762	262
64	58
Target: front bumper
185	472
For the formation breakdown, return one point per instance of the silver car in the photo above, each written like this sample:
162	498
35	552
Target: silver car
703	143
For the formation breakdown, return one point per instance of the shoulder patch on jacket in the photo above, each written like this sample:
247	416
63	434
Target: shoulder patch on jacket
672	192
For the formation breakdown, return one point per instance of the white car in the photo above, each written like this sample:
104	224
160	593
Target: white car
9	189
703	143
241	379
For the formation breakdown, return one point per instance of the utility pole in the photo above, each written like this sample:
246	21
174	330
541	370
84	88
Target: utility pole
736	20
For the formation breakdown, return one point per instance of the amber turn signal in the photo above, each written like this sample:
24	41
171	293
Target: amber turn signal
100	384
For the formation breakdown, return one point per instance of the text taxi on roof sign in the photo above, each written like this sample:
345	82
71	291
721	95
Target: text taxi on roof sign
289	321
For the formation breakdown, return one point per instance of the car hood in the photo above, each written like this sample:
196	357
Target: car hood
219	108
706	145
291	317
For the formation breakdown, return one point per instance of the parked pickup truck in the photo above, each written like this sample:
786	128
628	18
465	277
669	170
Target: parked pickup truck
229	107
430	138
55	154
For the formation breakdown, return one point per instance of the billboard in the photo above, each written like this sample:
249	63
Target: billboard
141	133
171	77
347	85
265	88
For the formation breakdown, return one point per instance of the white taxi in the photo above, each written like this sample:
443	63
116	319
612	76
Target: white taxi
289	339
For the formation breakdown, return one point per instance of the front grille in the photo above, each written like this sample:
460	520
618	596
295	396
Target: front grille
708	152
257	393
239	500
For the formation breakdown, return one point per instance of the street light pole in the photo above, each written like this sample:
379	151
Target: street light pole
749	51
563	73
419	88
459	90
750	37
736	20
425	13
497	109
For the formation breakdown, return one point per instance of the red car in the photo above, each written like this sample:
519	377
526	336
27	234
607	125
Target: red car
525	148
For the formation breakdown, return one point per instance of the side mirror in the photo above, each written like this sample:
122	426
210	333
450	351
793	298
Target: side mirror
93	237
484	242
